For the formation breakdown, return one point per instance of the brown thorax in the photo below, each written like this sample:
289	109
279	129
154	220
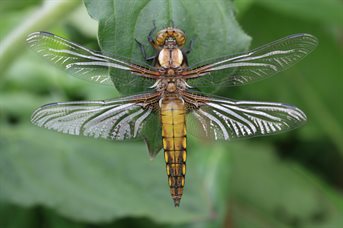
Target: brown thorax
170	85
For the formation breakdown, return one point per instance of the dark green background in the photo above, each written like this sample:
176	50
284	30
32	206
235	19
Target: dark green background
289	180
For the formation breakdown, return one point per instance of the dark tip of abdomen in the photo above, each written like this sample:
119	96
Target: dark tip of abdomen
177	202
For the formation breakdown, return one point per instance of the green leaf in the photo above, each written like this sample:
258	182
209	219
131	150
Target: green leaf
322	11
13	217
11	6
268	192
92	181
152	133
121	22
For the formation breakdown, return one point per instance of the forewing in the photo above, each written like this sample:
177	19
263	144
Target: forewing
82	62
254	65
117	119
223	119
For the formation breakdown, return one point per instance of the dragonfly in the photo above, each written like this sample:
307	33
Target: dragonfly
172	105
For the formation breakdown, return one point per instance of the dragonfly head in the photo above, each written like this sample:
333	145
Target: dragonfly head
171	37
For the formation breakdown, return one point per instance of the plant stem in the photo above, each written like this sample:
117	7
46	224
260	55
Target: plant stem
47	15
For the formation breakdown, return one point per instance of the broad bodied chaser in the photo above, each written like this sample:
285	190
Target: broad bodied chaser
172	103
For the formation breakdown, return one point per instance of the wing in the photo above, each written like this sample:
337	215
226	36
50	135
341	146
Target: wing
252	66
117	119
82	62
223	119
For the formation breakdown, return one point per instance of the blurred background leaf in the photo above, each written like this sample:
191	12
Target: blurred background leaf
47	15
90	182
289	180
326	12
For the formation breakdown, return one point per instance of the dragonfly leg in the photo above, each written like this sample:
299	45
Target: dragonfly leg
150	38
142	48
189	49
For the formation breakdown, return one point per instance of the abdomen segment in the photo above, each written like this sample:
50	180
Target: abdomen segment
174	144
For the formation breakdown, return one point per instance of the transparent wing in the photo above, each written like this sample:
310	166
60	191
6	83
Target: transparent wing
117	119
223	119
82	62
252	66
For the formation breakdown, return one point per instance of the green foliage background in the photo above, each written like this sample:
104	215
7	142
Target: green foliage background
289	180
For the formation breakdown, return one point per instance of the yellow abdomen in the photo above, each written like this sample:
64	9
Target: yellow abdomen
173	122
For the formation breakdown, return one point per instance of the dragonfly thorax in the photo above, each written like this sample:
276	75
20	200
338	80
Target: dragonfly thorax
171	85
170	58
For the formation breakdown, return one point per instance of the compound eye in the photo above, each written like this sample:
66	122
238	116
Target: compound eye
161	37
180	37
